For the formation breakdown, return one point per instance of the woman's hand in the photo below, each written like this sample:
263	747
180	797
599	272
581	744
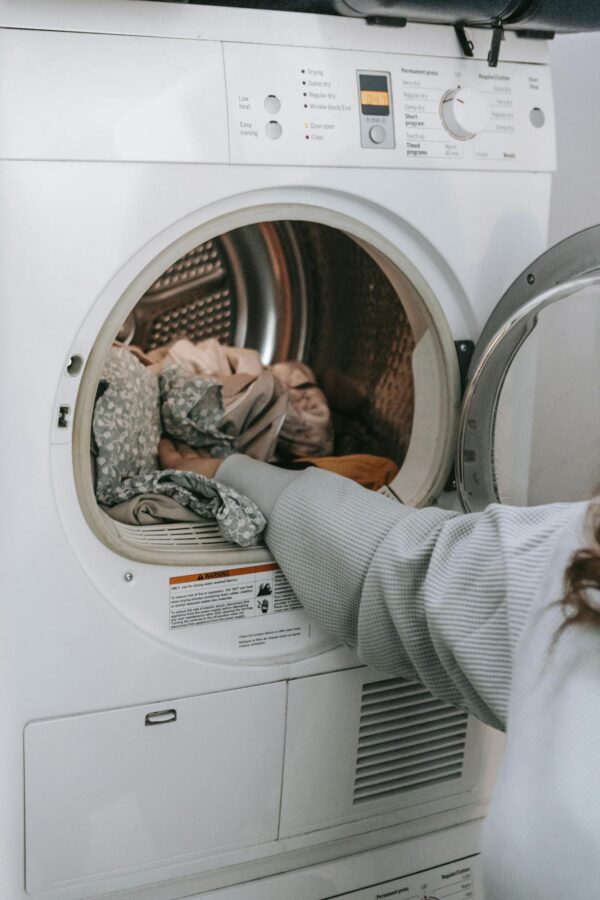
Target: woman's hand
187	459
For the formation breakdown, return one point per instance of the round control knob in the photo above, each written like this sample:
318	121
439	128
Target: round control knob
273	130
377	134
272	104
464	112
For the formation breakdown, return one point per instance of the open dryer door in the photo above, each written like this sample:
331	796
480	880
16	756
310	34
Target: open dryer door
529	431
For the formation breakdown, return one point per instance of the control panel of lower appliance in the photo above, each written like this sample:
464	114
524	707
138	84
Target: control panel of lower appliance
295	106
456	881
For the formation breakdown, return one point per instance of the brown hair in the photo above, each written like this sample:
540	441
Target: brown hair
583	575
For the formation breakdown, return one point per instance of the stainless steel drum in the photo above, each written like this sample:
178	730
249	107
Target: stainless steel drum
295	290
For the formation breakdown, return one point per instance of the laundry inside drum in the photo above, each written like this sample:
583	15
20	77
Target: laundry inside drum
293	292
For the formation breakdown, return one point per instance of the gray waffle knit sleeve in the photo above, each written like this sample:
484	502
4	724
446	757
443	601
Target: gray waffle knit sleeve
427	594
255	479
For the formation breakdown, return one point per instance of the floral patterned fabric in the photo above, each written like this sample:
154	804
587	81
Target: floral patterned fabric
192	408
239	519
126	430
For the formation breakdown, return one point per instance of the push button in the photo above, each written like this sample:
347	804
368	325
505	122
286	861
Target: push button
273	130
272	104
377	134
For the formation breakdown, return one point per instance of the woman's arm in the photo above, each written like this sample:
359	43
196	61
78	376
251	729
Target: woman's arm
428	594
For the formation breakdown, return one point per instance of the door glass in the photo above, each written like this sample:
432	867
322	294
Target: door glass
546	438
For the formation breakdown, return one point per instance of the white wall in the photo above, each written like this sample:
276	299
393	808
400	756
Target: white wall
565	447
576	78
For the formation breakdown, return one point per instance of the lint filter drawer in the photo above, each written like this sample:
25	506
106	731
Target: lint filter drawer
115	792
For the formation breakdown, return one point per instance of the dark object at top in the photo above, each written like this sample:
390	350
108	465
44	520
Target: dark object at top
529	18
543	17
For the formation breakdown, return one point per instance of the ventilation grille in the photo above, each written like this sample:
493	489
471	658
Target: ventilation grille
177	536
407	740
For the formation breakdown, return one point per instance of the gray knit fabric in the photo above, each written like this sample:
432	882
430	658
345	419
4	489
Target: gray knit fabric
264	481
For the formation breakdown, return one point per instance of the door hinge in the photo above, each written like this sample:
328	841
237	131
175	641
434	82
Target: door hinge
464	352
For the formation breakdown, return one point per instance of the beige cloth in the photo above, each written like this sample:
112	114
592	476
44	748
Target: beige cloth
150	509
207	357
255	410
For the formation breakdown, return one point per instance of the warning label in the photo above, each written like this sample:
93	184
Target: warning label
260	638
231	595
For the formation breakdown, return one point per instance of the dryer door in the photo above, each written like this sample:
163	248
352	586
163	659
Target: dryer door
529	431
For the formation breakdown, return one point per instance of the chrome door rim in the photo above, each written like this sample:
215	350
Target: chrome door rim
475	469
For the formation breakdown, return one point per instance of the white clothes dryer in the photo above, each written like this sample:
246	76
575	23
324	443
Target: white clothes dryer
356	197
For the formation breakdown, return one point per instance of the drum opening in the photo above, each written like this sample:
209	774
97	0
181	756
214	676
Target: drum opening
305	291
296	290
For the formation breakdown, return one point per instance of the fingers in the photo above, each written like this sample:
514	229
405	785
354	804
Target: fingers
179	450
187	459
168	454
190	453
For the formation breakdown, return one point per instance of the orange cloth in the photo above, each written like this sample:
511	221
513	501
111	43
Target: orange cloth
364	468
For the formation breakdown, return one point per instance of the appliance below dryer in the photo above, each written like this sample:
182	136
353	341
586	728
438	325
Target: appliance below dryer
315	189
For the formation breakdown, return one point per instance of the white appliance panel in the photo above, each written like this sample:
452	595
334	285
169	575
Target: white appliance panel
132	789
96	96
392	867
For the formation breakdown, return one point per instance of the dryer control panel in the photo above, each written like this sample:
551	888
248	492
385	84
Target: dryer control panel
295	106
207	101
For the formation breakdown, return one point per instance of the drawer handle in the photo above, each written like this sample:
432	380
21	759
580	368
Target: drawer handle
161	717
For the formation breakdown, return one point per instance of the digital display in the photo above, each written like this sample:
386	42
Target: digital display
374	95
374	98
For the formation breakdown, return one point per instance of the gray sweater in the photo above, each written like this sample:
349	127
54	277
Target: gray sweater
466	604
